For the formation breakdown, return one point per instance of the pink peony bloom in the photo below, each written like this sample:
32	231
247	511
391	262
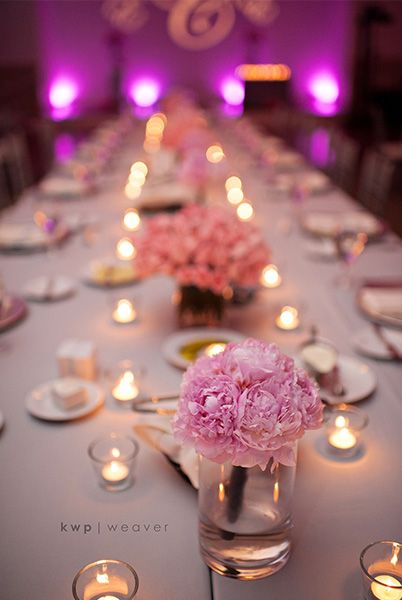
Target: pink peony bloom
204	246
248	405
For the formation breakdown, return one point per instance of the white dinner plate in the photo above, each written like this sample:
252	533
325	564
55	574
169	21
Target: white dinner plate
45	289
358	379
173	345
40	403
368	343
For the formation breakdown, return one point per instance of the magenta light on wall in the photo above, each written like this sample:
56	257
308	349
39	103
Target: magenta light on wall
324	89
145	92
232	91
62	93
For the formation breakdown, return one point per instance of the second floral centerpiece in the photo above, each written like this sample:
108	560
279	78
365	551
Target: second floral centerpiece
207	250
243	411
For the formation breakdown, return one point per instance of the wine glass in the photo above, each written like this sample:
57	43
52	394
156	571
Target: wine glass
349	246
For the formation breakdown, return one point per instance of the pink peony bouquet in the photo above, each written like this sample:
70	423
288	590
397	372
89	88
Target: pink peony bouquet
247	405
204	246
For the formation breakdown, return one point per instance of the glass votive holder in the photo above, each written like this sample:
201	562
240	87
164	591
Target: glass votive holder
113	458
343	426
125	382
288	318
124	310
106	580
382	571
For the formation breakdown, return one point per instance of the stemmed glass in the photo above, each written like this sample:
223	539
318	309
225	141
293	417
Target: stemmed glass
349	246
48	223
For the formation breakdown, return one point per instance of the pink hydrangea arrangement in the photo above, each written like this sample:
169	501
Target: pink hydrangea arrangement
204	246
246	405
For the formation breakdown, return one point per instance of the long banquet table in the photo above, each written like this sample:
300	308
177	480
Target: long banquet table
47	483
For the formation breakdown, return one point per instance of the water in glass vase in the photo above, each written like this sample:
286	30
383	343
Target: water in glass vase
245	518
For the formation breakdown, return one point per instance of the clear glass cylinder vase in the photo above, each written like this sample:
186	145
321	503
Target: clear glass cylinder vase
245	518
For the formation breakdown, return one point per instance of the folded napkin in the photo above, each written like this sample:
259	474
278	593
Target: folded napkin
156	431
383	301
165	195
21	234
55	185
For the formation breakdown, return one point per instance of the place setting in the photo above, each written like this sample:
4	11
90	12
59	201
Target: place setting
13	309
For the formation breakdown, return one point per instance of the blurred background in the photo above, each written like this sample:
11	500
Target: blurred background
324	75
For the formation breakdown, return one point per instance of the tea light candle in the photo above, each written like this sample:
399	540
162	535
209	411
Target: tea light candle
115	471
106	580
235	196
125	249
383	592
137	178
215	153
131	219
214	349
233	182
342	437
288	318
126	388
139	167
270	277
132	190
124	312
245	211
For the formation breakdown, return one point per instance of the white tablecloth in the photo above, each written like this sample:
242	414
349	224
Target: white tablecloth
47	482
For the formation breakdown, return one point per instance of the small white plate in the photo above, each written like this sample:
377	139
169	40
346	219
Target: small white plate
368	343
40	404
357	377
90	279
42	289
171	348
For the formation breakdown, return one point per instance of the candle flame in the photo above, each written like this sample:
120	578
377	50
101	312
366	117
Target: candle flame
341	422
233	182
115	452
125	249
102	578
215	153
288	315
235	195
245	211
131	219
128	377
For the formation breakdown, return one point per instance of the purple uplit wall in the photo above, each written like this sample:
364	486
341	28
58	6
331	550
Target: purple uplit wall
310	36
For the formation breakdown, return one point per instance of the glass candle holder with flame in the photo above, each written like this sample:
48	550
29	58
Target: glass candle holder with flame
343	427
126	378
381	569
113	458
106	579
124	310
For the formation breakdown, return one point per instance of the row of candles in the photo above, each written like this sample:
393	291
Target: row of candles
117	580
114	456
